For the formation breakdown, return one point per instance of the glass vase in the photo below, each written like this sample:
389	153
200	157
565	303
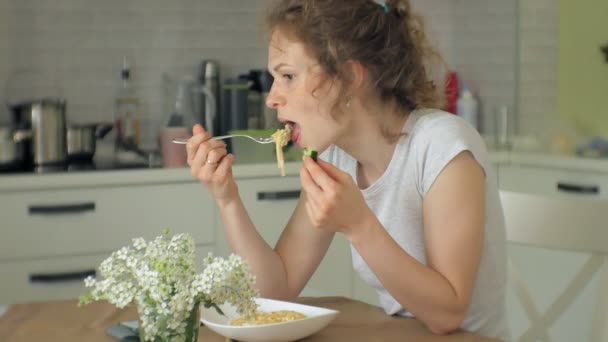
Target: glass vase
166	334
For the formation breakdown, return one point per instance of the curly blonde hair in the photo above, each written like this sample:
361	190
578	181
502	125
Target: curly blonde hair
391	44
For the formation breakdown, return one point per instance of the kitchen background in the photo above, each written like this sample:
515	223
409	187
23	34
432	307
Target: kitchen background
506	51
540	58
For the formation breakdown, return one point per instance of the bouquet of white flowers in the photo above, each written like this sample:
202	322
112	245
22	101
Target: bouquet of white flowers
160	277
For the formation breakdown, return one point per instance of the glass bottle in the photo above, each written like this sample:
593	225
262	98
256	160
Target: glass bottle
126	111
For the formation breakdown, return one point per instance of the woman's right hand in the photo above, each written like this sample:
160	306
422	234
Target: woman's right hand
211	164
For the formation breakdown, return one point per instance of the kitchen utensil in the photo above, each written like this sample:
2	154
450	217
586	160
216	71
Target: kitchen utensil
209	77
259	140
12	153
172	155
180	94
44	122
82	138
236	104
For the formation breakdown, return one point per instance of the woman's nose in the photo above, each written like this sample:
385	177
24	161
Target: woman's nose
274	100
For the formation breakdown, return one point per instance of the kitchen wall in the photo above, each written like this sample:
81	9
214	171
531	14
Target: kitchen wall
81	44
537	56
582	69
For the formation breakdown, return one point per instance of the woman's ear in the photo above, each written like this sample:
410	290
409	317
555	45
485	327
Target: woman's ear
358	75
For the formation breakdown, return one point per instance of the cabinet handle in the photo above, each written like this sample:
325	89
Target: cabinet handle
61	209
53	278
579	189
278	195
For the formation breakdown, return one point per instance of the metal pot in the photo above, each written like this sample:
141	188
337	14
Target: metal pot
12	153
45	124
82	138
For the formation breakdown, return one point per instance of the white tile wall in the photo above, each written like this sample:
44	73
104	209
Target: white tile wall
538	65
82	43
478	40
485	53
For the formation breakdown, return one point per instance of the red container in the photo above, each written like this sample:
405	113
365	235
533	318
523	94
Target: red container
451	92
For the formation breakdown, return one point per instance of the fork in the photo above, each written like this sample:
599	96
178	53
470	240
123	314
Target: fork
259	140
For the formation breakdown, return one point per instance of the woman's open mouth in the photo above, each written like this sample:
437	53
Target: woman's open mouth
295	131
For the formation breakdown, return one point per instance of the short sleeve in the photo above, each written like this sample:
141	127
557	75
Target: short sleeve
438	141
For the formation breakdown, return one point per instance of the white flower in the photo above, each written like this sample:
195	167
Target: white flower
160	277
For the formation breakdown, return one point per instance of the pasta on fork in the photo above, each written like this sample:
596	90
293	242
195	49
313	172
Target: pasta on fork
281	138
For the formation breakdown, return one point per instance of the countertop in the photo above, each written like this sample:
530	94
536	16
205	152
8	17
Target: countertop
141	176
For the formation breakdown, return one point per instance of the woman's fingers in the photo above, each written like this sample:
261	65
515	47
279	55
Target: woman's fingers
197	129
224	168
318	174
212	162
207	153
193	144
308	183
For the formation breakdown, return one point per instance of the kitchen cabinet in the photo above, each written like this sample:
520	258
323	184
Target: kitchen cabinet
270	203
553	181
52	239
89	220
560	177
44	279
56	228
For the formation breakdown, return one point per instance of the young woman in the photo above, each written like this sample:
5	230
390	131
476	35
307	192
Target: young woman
409	186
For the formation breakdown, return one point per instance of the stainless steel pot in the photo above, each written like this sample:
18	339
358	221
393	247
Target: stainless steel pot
11	152
14	149
45	122
82	138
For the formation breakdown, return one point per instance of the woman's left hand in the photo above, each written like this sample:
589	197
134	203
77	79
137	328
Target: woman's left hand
334	202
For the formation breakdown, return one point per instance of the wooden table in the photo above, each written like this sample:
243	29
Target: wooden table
63	321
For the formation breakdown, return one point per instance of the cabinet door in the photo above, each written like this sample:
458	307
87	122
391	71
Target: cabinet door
55	278
545	181
94	220
270	203
364	292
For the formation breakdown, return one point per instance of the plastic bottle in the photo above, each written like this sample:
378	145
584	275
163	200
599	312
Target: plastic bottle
126	110
467	107
451	92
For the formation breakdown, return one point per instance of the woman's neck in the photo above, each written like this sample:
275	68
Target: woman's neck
368	144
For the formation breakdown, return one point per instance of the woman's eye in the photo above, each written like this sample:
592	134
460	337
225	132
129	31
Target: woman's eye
288	76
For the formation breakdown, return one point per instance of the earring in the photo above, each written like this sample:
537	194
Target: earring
348	102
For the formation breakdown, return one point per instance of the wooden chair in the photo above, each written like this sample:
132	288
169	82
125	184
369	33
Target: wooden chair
573	223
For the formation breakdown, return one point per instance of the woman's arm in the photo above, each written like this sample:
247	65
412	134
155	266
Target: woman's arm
453	216
282	272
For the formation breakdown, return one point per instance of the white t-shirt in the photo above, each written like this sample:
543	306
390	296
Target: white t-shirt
433	138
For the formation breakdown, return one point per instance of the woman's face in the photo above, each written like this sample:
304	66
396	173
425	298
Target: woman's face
296	76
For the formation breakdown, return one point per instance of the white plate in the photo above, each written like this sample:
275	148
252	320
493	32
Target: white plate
316	319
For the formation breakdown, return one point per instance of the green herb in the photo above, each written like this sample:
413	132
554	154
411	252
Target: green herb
312	153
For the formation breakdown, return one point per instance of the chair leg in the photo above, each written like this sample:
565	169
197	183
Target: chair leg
564	300
526	300
599	327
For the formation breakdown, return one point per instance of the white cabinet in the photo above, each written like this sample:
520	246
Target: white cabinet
552	181
270	203
52	239
57	229
91	220
52	278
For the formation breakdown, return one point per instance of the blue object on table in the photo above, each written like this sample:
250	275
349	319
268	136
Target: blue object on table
125	331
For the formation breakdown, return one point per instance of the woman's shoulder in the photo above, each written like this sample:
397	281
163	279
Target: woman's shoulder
436	125
436	119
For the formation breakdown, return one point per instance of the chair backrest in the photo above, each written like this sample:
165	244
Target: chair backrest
574	223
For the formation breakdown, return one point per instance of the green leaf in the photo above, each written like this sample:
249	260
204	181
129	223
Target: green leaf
208	305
